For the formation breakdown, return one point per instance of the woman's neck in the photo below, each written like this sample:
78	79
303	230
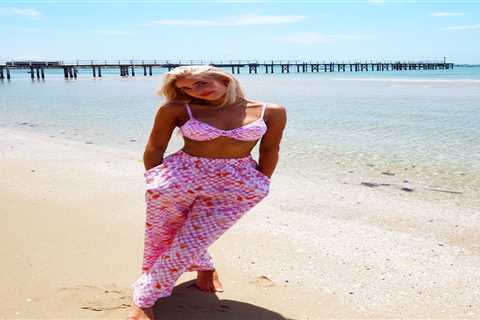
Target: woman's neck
215	104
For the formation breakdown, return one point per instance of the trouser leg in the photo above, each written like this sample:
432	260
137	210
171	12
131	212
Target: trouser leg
223	191
203	263
163	220
207	221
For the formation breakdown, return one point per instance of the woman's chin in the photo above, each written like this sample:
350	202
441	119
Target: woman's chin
209	98
206	98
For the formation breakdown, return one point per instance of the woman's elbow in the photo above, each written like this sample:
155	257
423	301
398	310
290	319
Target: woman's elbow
151	148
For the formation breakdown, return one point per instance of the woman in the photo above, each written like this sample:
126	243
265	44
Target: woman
195	194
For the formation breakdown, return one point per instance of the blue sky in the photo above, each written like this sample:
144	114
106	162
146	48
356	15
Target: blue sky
223	30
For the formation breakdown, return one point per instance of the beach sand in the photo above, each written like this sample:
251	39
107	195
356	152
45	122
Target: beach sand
72	242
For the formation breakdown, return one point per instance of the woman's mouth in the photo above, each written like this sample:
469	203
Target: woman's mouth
207	93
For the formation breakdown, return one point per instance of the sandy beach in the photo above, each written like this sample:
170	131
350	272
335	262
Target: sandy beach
72	242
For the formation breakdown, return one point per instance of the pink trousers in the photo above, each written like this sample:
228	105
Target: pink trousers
191	201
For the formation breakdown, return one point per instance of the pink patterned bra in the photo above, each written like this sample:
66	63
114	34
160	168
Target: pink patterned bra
201	131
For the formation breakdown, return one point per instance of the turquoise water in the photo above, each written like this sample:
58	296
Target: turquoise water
428	120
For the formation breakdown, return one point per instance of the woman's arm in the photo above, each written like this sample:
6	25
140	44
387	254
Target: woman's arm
164	123
270	143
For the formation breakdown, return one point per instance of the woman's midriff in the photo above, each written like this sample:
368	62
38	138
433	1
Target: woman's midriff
222	147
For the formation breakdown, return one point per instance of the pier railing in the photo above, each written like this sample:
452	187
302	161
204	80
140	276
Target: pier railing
24	63
128	67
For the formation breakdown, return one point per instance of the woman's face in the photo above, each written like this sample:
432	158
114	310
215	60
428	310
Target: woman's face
203	87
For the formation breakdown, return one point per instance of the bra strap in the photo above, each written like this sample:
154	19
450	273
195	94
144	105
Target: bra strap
263	110
188	110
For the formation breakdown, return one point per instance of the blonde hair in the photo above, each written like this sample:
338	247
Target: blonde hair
171	92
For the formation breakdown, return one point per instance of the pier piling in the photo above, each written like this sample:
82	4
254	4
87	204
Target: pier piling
70	69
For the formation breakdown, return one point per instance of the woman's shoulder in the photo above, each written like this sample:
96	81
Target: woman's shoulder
274	109
170	112
173	106
268	105
274	106
271	109
275	112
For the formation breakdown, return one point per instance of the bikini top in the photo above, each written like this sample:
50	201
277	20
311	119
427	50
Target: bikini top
201	131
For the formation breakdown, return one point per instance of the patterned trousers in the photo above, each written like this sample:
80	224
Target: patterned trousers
191	201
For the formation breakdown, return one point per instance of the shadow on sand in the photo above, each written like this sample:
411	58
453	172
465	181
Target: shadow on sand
187	302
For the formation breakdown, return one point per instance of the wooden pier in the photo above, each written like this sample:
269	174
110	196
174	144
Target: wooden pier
128	67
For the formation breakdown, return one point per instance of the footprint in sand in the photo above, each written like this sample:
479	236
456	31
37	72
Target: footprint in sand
264	281
96	298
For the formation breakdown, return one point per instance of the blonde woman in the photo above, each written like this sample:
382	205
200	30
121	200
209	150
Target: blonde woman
195	194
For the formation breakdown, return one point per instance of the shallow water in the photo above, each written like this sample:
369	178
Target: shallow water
426	122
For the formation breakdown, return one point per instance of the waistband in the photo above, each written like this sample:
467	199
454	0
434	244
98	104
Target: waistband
204	160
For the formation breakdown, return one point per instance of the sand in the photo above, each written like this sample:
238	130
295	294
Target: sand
72	241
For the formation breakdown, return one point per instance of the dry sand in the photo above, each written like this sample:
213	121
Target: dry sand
72	241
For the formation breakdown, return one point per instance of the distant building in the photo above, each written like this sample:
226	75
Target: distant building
31	63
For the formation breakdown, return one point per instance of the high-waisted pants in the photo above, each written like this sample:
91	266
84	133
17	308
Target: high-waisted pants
191	201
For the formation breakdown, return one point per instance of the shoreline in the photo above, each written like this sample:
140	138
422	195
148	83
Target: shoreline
375	170
74	217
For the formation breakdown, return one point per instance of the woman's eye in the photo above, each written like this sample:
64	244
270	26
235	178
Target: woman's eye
197	85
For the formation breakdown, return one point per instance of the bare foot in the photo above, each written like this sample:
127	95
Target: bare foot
137	313
208	281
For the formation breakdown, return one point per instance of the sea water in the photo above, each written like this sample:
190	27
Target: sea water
425	122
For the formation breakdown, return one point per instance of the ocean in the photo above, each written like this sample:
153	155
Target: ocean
424	126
